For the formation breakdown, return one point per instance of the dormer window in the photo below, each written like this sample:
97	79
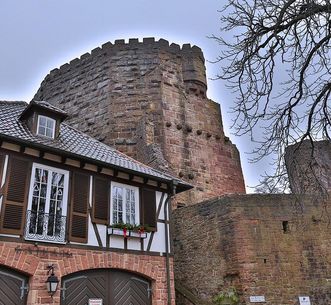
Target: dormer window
43	119
46	126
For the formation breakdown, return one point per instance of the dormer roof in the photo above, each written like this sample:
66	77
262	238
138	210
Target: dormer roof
43	106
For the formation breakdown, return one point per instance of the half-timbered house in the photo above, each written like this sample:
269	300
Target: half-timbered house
77	211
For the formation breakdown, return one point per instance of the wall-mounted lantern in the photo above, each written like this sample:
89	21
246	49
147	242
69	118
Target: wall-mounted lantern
52	281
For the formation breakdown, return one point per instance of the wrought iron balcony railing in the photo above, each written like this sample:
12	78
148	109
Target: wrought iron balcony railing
45	227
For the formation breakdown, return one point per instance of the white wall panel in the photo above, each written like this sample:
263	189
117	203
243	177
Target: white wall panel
117	242
134	244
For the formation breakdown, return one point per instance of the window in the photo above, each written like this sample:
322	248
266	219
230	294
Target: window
46	126
47	206
124	204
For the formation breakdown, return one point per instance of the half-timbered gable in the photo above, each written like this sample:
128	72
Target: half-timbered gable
61	189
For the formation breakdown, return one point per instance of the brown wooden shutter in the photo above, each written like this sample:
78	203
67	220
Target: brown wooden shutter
2	162
78	228
100	211
148	208
15	196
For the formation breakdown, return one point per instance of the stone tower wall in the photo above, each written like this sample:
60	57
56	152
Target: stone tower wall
258	244
148	99
309	167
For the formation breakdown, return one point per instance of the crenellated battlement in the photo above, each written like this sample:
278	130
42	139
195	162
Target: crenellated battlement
150	44
192	59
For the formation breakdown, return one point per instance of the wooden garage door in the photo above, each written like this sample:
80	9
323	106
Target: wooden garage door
13	287
114	287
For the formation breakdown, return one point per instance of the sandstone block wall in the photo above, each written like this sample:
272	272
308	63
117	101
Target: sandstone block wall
309	167
148	99
259	244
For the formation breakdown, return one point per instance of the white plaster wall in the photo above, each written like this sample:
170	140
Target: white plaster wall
134	244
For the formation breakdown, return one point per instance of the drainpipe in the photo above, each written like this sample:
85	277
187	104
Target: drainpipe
167	208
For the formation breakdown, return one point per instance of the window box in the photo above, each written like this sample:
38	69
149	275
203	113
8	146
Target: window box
126	233
127	212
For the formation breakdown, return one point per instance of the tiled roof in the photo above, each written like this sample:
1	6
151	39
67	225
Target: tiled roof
73	142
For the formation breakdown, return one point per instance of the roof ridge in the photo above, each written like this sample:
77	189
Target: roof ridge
45	104
23	103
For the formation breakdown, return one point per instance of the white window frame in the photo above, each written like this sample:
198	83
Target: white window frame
47	119
136	192
48	192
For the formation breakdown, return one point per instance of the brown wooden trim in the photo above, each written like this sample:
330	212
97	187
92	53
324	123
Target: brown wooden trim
171	229
96	231
95	227
141	244
23	204
132	183
11	146
143	206
2	168
70	188
107	239
159	207
150	241
78	213
151	253
75	238
38	159
93	217
163	221
17	141
86	171
12	231
74	169
34	123
69	246
157	219
71	169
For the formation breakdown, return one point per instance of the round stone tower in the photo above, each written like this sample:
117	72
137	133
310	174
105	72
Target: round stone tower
148	99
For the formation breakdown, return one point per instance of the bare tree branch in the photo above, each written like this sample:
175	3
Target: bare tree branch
279	65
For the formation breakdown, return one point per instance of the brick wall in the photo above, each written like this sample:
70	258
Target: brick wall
35	266
266	245
148	99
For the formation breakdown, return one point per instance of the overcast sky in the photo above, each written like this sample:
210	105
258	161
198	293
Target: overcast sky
40	35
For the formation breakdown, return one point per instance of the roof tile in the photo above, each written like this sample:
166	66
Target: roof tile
73	141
